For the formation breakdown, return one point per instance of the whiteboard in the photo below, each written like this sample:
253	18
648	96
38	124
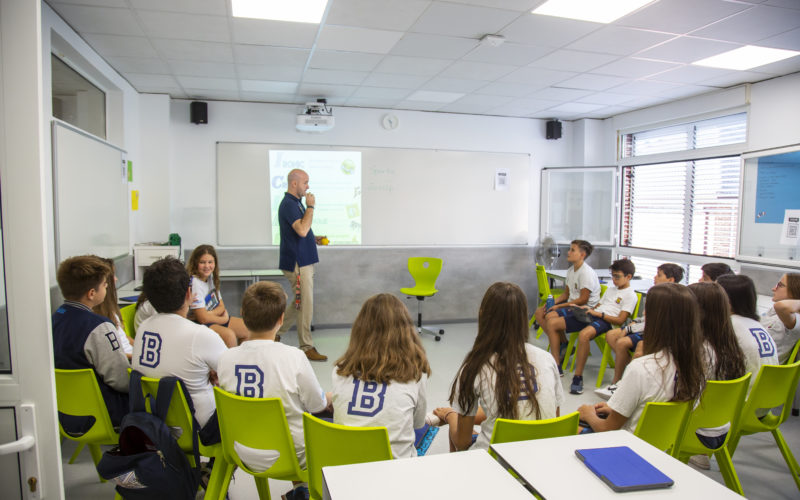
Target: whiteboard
770	185
410	196
90	195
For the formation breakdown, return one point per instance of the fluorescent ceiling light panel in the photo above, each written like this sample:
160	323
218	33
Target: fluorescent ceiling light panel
434	96
297	11
749	56
596	11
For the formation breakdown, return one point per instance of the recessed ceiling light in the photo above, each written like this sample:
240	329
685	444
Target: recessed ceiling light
297	11
749	56
596	11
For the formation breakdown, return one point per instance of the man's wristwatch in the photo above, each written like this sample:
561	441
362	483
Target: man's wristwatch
309	206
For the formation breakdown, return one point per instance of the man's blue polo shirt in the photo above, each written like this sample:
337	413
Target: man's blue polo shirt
294	249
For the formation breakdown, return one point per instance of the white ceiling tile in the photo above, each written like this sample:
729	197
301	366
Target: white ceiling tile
754	24
271	87
423	66
420	105
198	82
93	3
789	40
321	90
608	111
559	94
689	74
213	7
452	84
680	16
138	65
278	33
434	96
260	54
576	107
590	81
269	72
112	45
619	40
358	39
381	93
395	15
150	82
607	98
686	49
789	4
516	5
573	60
509	53
442	47
185	26
687	91
194	51
352	61
785	67
269	97
212	95
466	21
506	89
547	31
644	87
522	107
334	76
472	70
476	103
202	68
634	68
398	81
104	20
359	102
544	115
735	78
536	76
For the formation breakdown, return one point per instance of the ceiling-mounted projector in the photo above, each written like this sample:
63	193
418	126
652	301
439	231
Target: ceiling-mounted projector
316	117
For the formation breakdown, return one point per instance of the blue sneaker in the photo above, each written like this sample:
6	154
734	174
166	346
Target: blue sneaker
299	493
577	385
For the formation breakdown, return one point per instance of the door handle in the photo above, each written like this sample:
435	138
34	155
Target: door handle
21	444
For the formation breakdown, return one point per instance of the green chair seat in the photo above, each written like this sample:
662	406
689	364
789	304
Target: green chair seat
661	424
128	313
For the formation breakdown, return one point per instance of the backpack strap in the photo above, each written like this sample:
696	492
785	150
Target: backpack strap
166	388
135	394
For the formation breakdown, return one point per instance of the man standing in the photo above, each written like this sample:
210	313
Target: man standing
298	255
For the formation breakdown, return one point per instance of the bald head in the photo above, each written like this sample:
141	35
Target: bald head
298	182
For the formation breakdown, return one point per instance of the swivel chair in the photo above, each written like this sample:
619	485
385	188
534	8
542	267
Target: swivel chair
424	270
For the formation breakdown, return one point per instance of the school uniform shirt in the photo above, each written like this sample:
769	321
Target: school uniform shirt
584	277
549	394
268	369
171	345
143	311
614	301
757	345
650	378
398	406
122	337
785	338
204	294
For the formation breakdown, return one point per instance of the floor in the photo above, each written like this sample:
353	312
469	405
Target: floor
758	462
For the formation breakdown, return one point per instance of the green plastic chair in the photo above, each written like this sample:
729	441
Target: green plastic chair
258	423
775	386
424	270
721	403
661	424
330	444
793	355
543	283
608	359
128	313
569	354
507	430
78	394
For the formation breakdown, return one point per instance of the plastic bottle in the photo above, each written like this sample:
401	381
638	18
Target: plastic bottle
550	302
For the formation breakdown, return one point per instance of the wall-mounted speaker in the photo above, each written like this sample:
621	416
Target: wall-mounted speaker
553	129
198	112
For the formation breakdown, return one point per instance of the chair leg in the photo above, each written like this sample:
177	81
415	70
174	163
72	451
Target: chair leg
728	472
97	454
262	485
605	359
788	456
77	452
220	479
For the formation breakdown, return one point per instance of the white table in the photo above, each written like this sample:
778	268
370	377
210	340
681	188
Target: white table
641	285
251	276
467	474
551	467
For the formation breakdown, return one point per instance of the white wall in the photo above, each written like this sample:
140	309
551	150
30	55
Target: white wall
193	152
775	113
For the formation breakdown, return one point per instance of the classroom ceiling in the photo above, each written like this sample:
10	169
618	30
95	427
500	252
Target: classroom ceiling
427	54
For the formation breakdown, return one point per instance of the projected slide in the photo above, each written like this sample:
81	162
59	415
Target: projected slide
335	179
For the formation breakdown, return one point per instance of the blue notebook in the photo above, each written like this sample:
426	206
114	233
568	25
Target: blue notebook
623	469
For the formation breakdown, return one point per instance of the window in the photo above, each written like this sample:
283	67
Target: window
76	100
688	206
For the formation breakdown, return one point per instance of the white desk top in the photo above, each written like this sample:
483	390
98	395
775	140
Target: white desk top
553	469
467	474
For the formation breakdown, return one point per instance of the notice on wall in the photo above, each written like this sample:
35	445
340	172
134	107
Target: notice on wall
777	187
790	234
501	179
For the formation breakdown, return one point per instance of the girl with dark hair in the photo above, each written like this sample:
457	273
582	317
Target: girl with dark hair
725	359
671	368
502	376
782	321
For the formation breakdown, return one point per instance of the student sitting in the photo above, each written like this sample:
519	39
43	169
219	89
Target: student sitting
757	345
263	368
629	338
168	344
782	321
502	375
381	379
84	339
582	288
617	304
109	308
713	270
671	368
207	307
144	309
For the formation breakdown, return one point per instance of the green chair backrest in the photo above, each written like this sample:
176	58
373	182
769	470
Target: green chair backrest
661	424
542	282
425	270
128	313
793	356
775	386
638	305
258	423
332	444
78	394
506	430
720	403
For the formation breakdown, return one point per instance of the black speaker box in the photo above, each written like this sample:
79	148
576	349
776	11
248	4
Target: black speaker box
553	129
198	112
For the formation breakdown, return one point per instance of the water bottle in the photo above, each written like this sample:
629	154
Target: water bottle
549	303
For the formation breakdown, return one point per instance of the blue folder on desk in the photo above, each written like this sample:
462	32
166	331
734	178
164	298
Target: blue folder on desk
623	469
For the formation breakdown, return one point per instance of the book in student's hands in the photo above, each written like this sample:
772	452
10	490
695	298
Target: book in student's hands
623	469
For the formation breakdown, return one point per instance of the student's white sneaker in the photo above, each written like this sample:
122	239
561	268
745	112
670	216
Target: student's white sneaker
701	462
432	420
606	392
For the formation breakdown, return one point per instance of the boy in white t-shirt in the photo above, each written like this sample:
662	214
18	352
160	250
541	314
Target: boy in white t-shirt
263	368
582	288
617	304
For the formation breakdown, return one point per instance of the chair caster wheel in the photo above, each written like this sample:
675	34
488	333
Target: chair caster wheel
441	332
438	338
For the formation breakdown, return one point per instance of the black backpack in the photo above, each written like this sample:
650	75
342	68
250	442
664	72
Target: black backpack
148	463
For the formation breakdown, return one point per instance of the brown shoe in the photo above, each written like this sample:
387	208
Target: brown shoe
313	355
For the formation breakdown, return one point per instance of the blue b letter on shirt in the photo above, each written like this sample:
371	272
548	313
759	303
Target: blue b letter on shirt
249	381
766	346
367	398
151	349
